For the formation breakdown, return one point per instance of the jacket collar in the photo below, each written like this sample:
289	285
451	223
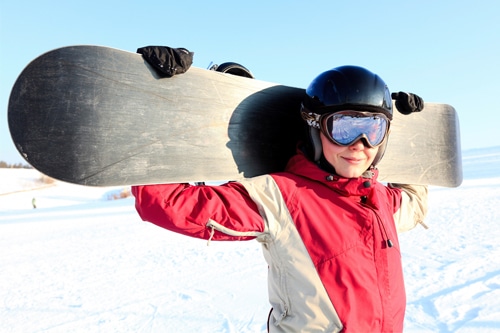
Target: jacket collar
361	186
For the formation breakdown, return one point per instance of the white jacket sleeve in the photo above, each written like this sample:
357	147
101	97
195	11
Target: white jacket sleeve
413	207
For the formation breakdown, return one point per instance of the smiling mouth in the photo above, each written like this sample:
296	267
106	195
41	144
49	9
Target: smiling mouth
353	160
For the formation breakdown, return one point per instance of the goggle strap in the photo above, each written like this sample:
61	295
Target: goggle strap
311	118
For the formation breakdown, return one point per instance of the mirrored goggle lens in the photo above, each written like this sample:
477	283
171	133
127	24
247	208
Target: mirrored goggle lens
345	129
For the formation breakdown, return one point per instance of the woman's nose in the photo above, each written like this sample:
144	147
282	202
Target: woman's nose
358	145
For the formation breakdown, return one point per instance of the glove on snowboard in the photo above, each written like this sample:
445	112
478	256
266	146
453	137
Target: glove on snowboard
407	103
167	61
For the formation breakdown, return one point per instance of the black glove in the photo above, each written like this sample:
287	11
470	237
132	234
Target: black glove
167	61
407	103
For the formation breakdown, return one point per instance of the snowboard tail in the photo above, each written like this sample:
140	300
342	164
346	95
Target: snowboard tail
98	116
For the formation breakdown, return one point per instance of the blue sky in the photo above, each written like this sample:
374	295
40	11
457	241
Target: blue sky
446	51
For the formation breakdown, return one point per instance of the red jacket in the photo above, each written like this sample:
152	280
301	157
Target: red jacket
335	265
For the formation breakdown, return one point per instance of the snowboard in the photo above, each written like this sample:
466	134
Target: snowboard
99	116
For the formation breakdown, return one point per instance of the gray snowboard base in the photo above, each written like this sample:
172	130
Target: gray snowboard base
99	116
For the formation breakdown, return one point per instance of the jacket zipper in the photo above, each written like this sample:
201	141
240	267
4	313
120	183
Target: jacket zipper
385	236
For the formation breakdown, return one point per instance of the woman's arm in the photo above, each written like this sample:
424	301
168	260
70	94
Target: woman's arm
187	209
413	207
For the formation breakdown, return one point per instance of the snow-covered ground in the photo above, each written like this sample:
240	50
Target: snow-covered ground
81	262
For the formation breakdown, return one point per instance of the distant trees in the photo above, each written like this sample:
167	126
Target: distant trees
15	166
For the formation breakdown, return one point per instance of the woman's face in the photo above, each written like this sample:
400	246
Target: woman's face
349	161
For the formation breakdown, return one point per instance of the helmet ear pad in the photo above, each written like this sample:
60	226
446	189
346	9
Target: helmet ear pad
316	145
381	151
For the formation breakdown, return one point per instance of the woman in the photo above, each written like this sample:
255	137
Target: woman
327	227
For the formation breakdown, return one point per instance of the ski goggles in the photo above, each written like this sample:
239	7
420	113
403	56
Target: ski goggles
346	127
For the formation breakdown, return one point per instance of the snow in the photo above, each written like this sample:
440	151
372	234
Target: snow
82	262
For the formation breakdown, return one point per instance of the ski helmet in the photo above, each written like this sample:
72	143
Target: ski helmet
344	88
